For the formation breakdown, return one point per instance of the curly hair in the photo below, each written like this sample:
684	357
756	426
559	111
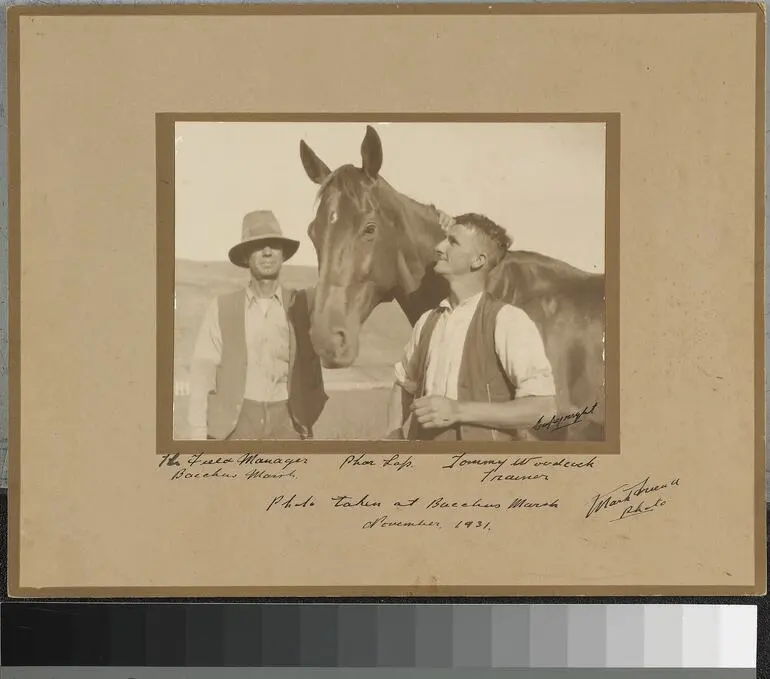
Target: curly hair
495	234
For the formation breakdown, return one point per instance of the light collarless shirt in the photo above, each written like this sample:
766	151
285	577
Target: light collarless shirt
518	344
267	345
267	348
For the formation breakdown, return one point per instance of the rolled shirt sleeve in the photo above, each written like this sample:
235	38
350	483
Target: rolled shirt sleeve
522	353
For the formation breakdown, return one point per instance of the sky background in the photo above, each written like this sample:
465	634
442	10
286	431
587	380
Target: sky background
543	182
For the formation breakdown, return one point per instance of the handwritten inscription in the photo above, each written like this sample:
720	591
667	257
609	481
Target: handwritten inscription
441	503
247	466
507	486
291	503
387	522
556	423
641	508
631	500
263	474
366	502
349	502
496	469
398	462
474	524
218	473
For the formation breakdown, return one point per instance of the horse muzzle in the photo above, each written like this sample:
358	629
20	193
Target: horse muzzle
337	347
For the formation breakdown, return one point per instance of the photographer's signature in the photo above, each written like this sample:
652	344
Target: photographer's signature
556	423
632	500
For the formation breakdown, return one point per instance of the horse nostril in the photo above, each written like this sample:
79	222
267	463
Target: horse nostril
340	339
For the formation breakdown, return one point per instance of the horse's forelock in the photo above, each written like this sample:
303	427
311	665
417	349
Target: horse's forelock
348	181
412	221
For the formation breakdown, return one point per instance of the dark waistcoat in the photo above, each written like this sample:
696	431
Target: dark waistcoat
305	381
481	376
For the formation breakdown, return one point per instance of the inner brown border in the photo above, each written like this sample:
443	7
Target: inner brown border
165	296
14	15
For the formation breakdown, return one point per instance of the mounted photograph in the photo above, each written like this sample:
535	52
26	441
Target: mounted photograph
381	324
407	281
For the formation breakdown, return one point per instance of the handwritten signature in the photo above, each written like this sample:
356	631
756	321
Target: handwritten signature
635	499
556	423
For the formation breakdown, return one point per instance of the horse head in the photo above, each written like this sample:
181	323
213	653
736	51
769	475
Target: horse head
373	245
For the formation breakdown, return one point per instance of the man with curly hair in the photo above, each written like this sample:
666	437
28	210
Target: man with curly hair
475	368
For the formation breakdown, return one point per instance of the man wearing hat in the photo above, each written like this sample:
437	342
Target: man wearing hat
254	374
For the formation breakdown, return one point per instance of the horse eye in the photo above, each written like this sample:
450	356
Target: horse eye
370	228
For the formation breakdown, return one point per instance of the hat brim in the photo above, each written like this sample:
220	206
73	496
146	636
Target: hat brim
239	254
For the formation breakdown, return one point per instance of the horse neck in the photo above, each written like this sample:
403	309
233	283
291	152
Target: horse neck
432	290
540	284
543	272
420	224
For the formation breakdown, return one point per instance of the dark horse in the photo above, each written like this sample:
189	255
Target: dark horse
375	245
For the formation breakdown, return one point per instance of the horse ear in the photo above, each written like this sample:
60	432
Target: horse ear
371	152
316	169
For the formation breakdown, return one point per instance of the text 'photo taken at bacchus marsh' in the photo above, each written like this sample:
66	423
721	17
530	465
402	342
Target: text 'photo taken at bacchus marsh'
414	281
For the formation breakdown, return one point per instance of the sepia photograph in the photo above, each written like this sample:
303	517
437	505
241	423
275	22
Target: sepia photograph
413	281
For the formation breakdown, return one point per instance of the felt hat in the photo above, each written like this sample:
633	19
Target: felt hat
259	226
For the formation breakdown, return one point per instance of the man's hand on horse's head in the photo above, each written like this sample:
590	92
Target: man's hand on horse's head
444	219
